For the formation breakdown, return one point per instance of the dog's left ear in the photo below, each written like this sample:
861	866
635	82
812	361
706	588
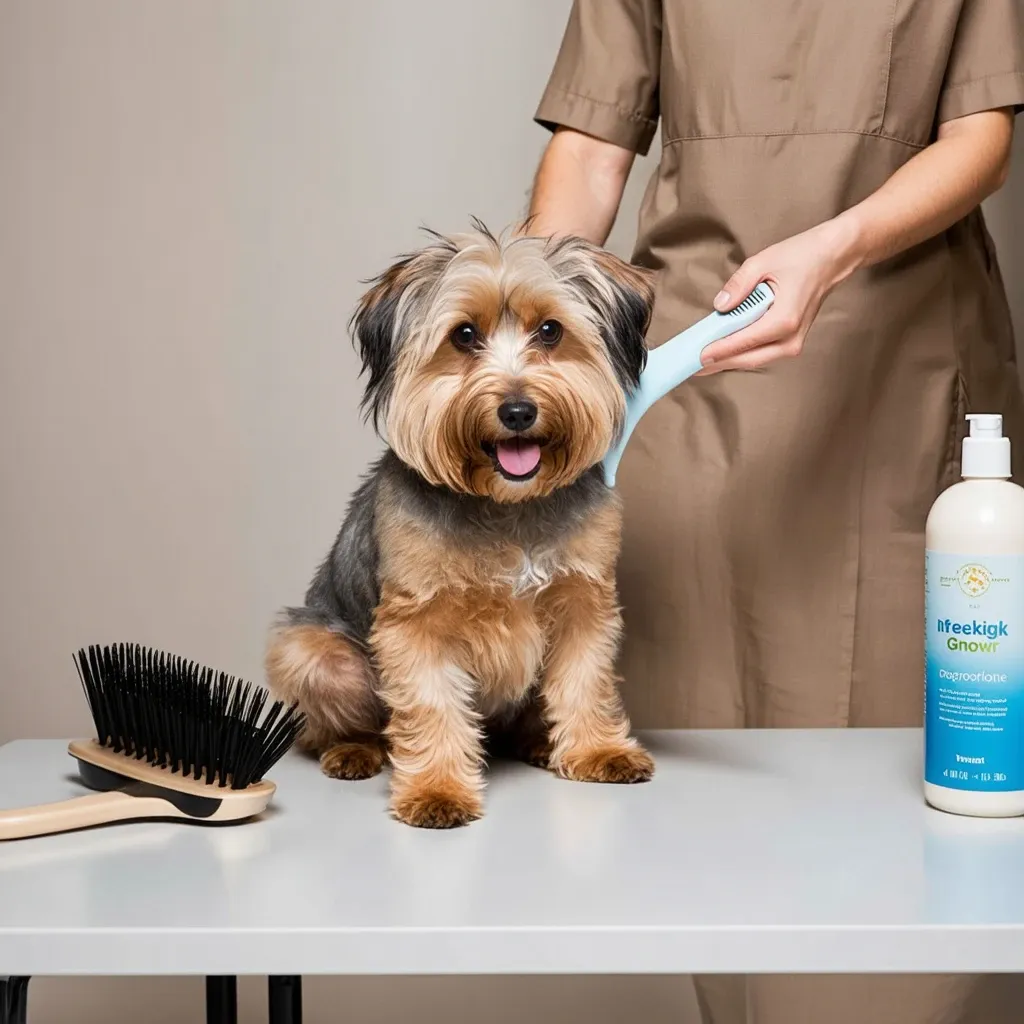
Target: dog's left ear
622	296
389	312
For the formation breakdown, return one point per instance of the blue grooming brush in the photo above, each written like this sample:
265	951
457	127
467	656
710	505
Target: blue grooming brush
678	359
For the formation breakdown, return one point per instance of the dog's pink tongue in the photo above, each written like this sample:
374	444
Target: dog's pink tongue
518	457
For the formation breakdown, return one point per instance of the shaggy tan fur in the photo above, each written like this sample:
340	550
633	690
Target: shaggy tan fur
470	637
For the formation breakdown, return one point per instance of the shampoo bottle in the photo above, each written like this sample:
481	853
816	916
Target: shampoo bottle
974	634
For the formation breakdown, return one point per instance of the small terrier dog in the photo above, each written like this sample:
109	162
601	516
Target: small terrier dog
470	596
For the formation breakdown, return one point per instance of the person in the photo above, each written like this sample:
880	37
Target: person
773	555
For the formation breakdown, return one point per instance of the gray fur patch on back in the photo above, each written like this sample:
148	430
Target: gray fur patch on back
345	590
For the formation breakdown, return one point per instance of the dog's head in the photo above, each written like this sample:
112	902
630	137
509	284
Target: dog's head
500	367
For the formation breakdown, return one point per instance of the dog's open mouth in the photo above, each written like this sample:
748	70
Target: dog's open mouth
516	458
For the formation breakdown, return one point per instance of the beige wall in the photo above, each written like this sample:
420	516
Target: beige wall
189	193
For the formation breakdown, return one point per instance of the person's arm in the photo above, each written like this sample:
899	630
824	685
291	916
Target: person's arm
578	186
945	181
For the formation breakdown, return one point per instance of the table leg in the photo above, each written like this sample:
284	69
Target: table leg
285	999
222	1000
13	1000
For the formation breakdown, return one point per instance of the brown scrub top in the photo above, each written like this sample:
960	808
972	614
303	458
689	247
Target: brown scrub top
773	552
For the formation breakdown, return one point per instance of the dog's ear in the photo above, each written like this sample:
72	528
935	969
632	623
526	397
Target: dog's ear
386	315
622	296
629	316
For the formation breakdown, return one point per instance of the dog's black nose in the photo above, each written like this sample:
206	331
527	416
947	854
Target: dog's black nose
518	415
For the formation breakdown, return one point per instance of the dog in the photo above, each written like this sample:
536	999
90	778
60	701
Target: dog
469	601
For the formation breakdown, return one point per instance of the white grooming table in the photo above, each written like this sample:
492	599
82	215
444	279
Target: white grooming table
750	852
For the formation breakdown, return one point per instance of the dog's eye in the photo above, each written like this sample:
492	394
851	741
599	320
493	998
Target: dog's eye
550	333
465	337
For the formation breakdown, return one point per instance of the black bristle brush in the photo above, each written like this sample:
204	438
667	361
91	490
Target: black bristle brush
173	740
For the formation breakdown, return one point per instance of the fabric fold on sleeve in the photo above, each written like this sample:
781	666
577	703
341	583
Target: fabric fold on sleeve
606	76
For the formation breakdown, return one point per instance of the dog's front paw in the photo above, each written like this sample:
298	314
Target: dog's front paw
607	764
435	808
352	760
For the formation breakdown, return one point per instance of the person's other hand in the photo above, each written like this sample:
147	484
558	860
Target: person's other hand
802	270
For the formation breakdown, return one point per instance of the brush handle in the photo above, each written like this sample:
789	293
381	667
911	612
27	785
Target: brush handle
82	812
678	359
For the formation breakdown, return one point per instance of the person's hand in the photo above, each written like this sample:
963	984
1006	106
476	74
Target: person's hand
802	270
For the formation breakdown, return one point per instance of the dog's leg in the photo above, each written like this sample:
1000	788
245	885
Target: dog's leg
433	732
332	682
589	731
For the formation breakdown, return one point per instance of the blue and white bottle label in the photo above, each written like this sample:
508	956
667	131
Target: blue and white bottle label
974	671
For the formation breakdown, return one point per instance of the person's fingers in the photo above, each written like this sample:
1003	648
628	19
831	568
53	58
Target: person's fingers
740	285
757	358
776	325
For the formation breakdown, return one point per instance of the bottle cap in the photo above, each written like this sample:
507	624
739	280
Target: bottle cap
986	452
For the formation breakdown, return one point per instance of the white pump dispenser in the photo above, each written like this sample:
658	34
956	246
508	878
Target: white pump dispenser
986	452
974	634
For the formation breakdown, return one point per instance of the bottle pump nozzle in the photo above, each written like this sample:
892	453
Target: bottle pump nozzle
986	452
988	425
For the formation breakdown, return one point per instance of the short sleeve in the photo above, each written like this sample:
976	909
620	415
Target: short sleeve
605	79
986	65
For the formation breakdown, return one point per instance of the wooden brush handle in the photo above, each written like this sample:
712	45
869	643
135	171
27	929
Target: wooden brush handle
81	812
